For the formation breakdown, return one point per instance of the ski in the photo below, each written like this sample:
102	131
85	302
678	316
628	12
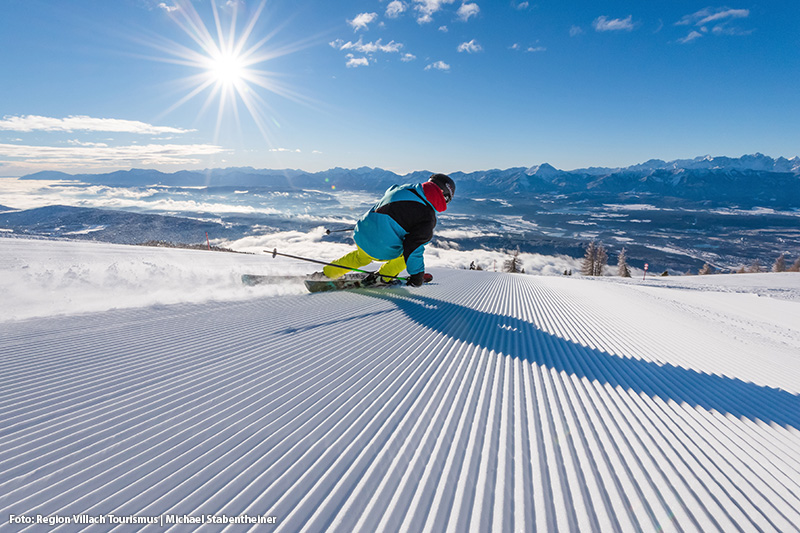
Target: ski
354	280
347	282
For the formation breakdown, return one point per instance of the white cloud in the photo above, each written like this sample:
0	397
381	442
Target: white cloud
76	142
367	48
28	123
603	23
168	9
353	62
439	65
691	37
468	10
94	156
295	151
724	29
575	30
720	18
516	46
427	8
470	47
361	21
708	15
727	14
408	57
395	9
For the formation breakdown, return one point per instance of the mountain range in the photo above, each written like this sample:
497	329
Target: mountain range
673	215
748	181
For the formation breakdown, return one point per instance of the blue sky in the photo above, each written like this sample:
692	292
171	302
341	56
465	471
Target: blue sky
93	85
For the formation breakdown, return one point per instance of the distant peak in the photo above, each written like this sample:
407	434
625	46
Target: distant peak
544	170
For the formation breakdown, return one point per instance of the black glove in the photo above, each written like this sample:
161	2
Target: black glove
416	280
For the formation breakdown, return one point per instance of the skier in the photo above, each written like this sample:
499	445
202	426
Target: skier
397	229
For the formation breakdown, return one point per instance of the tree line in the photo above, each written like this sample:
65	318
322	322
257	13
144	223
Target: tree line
595	263
596	258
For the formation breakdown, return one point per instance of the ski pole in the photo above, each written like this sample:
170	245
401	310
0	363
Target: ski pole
329	231
275	252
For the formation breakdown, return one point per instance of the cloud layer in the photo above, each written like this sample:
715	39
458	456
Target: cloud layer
85	154
96	155
29	123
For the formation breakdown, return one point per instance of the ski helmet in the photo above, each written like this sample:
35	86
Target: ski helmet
445	183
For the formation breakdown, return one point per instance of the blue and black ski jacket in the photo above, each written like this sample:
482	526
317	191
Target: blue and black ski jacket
401	223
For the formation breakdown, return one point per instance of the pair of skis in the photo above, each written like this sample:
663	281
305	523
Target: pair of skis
349	281
357	279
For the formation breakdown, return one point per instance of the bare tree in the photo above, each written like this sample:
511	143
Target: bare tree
755	266
707	269
795	266
622	265
780	264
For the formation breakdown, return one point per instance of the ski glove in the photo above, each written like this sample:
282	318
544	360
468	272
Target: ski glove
416	280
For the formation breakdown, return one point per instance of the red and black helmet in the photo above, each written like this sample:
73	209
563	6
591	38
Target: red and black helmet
445	183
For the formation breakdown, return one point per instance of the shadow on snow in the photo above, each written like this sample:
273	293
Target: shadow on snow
523	340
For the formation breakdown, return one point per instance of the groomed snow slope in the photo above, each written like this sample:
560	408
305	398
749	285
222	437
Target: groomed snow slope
481	402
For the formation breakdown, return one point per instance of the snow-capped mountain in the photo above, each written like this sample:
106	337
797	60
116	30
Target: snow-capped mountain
713	179
677	215
544	170
755	162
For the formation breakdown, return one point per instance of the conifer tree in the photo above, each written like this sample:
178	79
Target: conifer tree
601	261
589	258
622	265
513	265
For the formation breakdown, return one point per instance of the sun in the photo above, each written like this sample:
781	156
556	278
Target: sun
227	69
228	63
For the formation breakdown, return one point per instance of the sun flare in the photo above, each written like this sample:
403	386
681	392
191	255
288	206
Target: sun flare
227	69
229	64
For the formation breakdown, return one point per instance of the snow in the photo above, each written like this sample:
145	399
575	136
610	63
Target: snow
46	278
145	382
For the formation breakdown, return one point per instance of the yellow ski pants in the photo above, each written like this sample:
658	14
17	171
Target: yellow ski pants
359	258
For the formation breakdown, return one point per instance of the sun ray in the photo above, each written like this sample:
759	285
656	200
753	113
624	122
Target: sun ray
202	86
229	56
